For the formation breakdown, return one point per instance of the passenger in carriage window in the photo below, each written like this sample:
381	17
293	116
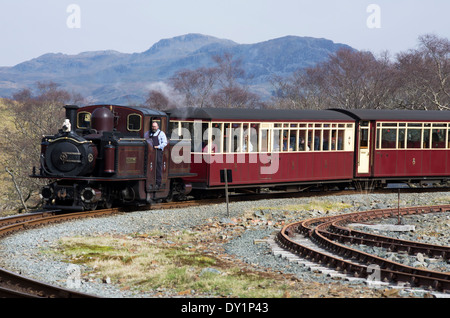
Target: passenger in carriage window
302	146
214	145
292	140
247	144
316	143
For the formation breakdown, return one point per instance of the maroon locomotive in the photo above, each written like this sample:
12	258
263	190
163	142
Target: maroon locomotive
104	158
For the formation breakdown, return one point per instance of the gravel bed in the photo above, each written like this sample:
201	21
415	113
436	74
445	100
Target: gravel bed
27	252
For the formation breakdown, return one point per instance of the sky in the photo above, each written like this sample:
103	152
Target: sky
30	28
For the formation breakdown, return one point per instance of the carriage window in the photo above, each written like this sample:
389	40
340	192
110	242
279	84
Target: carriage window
438	138
134	122
388	138
264	140
340	140
401	138
174	132
448	139
84	120
216	138
226	137
245	138
426	138
364	134
285	140
276	140
249	138
302	140
254	131
364	138
187	132
236	134
317	139
310	143
333	140
326	139
414	138
293	140
205	137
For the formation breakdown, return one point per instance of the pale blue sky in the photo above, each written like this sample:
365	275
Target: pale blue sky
29	28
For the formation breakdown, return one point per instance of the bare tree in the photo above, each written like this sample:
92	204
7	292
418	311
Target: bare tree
216	86
157	100
230	93
348	79
195	85
355	79
425	74
302	90
32	116
235	97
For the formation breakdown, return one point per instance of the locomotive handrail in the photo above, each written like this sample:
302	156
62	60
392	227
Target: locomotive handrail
69	138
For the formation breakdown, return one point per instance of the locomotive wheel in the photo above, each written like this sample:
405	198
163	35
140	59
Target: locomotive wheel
90	206
108	204
169	197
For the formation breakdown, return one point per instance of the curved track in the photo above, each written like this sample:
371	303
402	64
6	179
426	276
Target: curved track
324	231
15	285
330	232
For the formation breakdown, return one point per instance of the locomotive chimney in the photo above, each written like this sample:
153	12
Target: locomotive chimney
71	114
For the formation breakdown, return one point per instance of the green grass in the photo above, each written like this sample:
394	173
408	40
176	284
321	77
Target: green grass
322	205
149	263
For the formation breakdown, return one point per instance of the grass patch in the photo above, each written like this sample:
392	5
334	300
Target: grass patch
322	205
152	262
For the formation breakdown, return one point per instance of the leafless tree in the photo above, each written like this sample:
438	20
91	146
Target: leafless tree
216	86
348	79
425	74
33	115
235	97
195	85
157	100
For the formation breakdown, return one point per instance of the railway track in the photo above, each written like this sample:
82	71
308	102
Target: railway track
13	285
330	233
326	231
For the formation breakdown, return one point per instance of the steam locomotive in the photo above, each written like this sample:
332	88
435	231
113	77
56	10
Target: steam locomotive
100	158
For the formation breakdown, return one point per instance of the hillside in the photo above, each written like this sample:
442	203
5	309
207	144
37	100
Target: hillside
114	77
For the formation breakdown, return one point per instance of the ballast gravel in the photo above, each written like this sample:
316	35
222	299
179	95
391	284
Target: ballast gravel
27	253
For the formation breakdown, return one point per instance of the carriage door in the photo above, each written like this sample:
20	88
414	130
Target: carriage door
364	147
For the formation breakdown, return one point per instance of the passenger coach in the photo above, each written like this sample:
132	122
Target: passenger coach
402	146
286	149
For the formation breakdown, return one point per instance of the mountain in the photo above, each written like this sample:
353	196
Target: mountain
121	78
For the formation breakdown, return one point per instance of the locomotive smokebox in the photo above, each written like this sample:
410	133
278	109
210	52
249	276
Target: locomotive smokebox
71	114
102	119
